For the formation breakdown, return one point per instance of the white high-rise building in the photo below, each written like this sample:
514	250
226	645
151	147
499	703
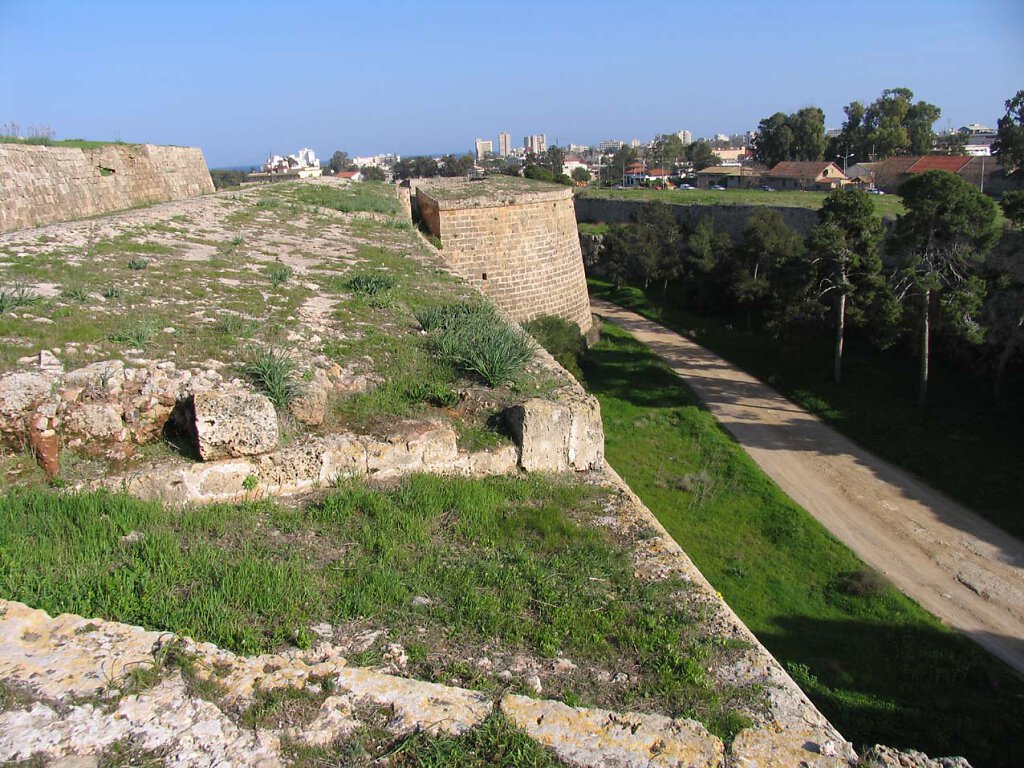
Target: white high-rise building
686	137
484	149
537	143
504	144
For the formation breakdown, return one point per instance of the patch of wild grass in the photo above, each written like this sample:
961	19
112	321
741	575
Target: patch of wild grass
474	338
75	293
512	561
370	283
562	339
237	326
278	274
135	333
375	197
880	667
16	296
275	372
137	264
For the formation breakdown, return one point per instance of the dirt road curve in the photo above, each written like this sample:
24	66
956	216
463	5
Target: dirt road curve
963	569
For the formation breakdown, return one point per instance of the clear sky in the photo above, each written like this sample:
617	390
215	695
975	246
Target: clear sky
241	79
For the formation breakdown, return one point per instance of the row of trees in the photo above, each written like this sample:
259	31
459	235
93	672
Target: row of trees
934	273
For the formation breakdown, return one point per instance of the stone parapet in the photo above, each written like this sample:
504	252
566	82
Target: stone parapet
42	185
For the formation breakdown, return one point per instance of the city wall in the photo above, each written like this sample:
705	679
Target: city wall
42	185
731	219
520	247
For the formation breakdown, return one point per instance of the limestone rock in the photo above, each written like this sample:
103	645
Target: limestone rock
412	447
310	406
556	436
95	420
46	448
802	745
597	738
18	393
229	425
880	756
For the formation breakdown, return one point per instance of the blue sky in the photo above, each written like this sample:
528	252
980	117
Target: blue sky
240	79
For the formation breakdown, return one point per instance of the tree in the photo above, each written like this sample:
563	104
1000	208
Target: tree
340	162
799	136
582	175
702	155
1004	320
893	124
658	242
456	165
373	173
554	161
1009	143
415	167
844	245
617	254
667	152
538	172
941	240
1013	207
768	242
951	144
705	248
624	157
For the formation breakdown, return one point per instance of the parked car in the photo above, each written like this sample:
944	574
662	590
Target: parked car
766	188
875	192
685	186
718	188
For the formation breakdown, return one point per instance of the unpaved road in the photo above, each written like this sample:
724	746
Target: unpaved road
957	565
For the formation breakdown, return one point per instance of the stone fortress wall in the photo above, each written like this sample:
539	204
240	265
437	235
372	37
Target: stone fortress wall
42	185
513	239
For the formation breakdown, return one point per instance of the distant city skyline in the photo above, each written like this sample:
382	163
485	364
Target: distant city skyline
242	83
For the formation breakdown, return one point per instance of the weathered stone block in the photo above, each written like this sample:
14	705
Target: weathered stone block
95	421
558	436
229	425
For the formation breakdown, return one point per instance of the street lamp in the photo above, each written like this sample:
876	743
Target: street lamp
845	158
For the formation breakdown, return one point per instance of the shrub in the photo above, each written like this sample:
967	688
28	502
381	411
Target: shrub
562	339
237	326
137	264
865	582
111	292
274	371
370	284
75	292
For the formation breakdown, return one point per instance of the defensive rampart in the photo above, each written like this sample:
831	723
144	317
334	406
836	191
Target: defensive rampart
42	185
514	239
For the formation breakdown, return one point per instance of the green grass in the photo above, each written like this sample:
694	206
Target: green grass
962	444
880	667
586	228
508	563
72	143
275	372
372	196
884	204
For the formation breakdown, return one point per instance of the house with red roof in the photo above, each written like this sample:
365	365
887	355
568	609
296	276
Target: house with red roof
350	175
806	174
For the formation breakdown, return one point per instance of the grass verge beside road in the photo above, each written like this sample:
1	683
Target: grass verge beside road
880	667
962	444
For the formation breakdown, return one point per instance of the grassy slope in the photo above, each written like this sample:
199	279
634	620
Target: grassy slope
72	143
508	563
880	667
884	204
961	444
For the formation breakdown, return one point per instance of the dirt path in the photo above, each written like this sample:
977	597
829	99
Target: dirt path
958	566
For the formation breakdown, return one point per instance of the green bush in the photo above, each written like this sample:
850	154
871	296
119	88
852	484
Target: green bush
562	339
17	296
137	333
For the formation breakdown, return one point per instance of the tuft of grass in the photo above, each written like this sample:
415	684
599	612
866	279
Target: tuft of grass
16	296
477	340
75	293
136	333
111	292
278	274
237	326
370	283
274	371
137	264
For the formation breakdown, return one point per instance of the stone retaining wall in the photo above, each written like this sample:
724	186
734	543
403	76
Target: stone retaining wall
42	185
521	249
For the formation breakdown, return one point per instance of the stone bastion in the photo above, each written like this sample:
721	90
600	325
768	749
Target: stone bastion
42	185
514	239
